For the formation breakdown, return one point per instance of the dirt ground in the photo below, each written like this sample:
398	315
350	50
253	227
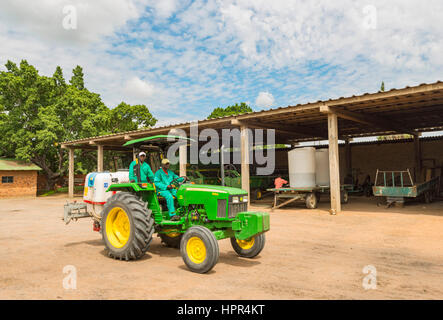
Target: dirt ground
309	254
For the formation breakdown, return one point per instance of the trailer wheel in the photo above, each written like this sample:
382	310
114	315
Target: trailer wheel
171	239
257	194
311	201
344	196
199	249
249	248
127	226
428	197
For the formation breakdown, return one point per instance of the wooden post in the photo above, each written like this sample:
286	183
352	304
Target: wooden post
245	161
334	168
71	173
417	152
99	158
182	151
348	157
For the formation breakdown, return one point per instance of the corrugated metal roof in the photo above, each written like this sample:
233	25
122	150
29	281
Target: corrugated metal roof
17	165
310	106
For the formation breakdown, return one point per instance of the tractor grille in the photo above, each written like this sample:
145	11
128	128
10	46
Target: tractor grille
221	208
235	208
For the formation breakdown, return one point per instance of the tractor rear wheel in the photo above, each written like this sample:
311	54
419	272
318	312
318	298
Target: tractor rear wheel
171	238
249	248
199	249
127	226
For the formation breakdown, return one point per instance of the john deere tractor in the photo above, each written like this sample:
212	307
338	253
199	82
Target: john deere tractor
208	213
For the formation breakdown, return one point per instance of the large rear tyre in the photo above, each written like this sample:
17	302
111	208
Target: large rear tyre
171	238
127	226
249	248
199	249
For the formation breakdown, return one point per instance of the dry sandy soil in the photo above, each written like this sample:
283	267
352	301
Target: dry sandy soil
309	254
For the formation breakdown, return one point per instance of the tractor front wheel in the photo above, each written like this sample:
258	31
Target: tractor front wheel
127	226
249	248
199	249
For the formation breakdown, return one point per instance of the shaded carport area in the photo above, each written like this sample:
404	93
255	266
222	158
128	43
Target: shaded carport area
411	110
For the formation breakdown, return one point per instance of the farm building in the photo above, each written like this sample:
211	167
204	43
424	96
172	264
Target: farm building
18	178
411	111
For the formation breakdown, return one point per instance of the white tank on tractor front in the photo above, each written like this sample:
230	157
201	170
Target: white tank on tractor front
96	184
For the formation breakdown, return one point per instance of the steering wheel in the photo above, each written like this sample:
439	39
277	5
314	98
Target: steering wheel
177	183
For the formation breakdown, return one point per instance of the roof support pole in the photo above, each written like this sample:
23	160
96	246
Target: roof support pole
244	143
417	158
99	158
348	157
334	167
71	173
182	151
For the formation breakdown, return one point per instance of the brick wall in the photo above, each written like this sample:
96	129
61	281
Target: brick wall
25	184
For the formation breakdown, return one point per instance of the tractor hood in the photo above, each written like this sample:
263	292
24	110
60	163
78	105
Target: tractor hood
212	189
209	195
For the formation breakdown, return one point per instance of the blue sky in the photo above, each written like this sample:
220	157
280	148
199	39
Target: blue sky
183	58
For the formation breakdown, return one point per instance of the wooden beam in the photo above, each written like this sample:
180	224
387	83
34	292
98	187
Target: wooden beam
182	151
348	157
371	120
334	164
99	158
291	131
244	143
417	159
71	173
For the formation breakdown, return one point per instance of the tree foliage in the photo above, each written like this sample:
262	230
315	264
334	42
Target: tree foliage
37	112
230	110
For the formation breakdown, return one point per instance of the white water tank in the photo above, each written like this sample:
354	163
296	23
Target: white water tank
96	184
322	167
301	163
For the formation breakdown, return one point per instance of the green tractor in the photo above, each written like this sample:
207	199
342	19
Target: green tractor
207	214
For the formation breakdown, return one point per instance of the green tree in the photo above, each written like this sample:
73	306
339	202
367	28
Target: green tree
230	110
125	117
38	112
382	88
77	78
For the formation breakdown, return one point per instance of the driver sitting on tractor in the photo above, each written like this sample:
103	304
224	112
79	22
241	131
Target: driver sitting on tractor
163	179
145	170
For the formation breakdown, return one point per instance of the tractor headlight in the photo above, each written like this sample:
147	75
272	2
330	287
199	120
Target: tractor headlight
234	199
245	198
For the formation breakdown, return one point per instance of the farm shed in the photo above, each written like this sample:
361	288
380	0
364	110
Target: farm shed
411	110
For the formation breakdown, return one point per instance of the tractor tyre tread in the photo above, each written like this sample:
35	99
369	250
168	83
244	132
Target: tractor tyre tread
212	249
142	225
259	244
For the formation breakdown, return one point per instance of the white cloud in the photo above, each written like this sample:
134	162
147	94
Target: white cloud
139	89
44	19
164	8
214	53
264	100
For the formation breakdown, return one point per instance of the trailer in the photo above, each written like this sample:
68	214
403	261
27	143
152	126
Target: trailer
310	195
398	186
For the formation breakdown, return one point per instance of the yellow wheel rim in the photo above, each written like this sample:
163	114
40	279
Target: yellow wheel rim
171	233
118	227
246	244
196	250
